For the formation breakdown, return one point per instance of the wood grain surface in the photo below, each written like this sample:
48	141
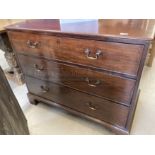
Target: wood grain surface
12	119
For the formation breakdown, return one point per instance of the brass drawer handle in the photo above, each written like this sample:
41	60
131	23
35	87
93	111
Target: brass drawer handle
33	44
88	52
91	106
94	84
44	89
38	68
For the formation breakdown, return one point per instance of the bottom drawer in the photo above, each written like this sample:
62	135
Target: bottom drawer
101	109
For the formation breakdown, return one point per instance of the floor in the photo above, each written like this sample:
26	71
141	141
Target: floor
45	120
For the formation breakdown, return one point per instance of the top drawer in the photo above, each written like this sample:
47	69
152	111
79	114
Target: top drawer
116	57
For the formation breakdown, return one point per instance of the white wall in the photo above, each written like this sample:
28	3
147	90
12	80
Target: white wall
75	20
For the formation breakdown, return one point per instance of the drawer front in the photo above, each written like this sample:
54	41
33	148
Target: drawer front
98	108
117	57
33	44
92	82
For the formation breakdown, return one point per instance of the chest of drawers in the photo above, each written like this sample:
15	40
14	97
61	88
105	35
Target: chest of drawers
91	74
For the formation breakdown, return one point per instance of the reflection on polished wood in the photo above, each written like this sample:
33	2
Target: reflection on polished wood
143	28
135	28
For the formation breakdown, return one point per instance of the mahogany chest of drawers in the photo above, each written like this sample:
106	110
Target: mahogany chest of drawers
90	68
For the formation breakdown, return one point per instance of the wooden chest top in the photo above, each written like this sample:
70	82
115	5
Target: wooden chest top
142	29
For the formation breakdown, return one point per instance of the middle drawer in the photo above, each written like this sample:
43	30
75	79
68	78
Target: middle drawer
93	82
